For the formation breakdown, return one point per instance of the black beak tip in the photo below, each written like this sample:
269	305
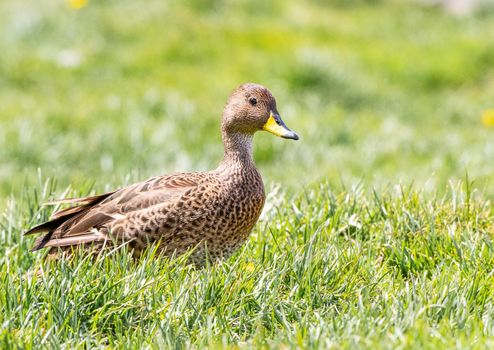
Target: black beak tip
291	135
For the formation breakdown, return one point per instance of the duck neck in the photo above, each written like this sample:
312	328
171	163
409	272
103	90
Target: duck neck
238	148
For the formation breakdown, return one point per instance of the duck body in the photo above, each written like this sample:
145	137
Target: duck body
210	212
214	217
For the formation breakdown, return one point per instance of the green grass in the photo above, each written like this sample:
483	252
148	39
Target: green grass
325	269
373	235
118	88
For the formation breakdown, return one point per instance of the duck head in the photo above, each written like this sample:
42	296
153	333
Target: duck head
250	108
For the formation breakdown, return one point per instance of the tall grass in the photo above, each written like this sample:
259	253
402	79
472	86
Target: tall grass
329	268
380	92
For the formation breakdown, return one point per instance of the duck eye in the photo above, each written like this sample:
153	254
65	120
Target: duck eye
252	101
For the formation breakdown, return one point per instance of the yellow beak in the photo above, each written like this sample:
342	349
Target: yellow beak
276	126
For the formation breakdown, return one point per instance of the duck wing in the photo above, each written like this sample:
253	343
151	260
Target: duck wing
80	224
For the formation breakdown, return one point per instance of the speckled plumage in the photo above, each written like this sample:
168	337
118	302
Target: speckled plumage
212	211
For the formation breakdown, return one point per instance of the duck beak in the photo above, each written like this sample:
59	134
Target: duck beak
277	127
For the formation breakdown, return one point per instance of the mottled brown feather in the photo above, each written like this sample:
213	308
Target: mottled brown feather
63	215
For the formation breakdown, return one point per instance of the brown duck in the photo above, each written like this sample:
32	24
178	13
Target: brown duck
212	212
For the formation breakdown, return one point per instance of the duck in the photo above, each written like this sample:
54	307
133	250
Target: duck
207	214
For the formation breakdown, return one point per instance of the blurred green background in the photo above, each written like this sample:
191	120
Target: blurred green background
381	92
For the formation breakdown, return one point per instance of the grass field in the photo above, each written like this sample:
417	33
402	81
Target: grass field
378	228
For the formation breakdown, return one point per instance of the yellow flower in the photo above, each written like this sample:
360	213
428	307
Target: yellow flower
488	117
77	4
250	267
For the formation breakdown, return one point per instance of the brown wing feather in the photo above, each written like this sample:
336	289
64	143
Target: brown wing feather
80	200
80	224
65	214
